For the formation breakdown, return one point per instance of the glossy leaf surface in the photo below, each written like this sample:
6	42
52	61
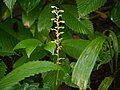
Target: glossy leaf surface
86	61
29	5
44	20
29	19
74	47
115	15
50	46
29	45
10	4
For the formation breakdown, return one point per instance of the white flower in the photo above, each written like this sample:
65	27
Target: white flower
61	10
53	19
53	11
53	7
62	21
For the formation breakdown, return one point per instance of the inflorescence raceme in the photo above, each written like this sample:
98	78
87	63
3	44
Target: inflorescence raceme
57	28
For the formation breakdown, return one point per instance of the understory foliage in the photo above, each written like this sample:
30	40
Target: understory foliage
47	43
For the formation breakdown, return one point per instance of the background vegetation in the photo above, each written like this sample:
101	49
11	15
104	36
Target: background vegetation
59	44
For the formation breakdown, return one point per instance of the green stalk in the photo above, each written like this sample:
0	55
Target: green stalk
57	41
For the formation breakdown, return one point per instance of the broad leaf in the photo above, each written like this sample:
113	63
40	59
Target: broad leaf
16	29
86	61
26	70
7	43
72	8
29	19
50	46
10	4
87	6
20	61
2	69
29	45
52	80
44	20
115	14
37	54
80	26
106	83
43	35
74	47
29	5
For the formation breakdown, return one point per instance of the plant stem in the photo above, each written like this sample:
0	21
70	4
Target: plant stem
57	28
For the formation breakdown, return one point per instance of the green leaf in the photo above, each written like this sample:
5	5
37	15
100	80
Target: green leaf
29	5
114	46
26	70
49	80
16	29
52	80
44	20
115	14
86	61
29	45
72	8
3	68
7	43
87	6
80	26
27	86
67	80
29	19
10	4
74	47
50	46
37	54
43	35
106	83
21	61
5	13
105	57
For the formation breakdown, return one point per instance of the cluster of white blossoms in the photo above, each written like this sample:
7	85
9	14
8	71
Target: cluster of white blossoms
57	28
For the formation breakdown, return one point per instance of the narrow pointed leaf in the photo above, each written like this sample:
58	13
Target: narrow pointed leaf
114	41
106	83
87	6
86	61
29	45
26	70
